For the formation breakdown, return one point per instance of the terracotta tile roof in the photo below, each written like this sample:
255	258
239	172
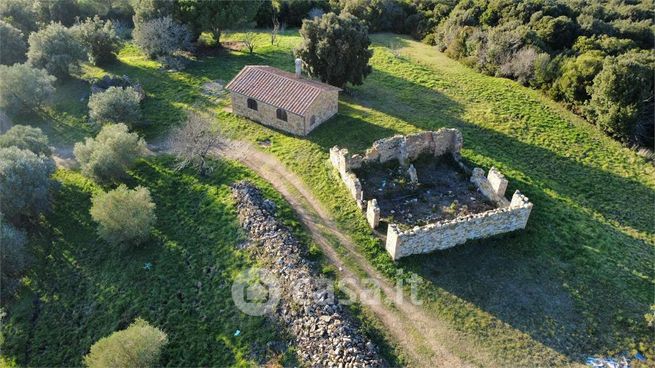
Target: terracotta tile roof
278	88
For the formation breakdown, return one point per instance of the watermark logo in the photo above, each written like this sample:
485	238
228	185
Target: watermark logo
256	291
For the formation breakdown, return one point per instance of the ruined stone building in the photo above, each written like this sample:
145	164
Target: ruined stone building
419	190
282	100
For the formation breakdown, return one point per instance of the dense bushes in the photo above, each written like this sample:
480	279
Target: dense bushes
13	257
622	96
116	105
23	88
27	138
113	151
161	36
24	182
12	44
55	49
137	346
99	38
335	48
556	46
124	216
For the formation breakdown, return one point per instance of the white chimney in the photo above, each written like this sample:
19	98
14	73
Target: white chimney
298	68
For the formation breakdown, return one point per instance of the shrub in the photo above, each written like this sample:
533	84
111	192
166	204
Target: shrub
13	258
521	66
577	75
622	97
116	105
113	151
56	49
23	88
27	138
24	182
20	14
12	44
336	49
99	38
137	346
161	36
61	11
124	215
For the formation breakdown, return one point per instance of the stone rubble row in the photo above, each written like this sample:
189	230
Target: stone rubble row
324	335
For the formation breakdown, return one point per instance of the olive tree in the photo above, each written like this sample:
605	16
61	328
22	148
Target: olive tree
23	88
56	49
12	44
110	154
13	257
24	182
161	36
116	105
27	138
99	38
336	49
193	142
124	216
137	346
215	16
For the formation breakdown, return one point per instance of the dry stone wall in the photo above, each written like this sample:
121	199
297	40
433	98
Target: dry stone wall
509	216
324	334
447	234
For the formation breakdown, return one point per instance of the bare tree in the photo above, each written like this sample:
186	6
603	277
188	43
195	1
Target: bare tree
276	28
249	41
193	142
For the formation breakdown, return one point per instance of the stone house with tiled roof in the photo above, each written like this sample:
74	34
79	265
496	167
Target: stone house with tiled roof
282	100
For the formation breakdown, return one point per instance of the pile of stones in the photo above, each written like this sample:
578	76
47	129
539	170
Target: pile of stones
324	335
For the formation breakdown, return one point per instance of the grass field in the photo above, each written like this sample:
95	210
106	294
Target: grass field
576	282
80	289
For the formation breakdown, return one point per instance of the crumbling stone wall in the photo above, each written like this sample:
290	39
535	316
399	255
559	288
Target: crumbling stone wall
401	148
447	234
509	216
324	334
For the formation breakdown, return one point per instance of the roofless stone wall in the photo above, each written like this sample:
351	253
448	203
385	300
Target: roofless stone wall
446	234
509	216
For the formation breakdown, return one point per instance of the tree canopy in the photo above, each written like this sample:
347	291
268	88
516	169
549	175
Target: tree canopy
335	49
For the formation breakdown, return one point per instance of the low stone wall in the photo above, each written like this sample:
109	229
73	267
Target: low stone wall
324	334
447	234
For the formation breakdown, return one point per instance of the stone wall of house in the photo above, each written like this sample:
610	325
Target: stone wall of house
446	234
266	114
408	148
402	148
342	161
323	108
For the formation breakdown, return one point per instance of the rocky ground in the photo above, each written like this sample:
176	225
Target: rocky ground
324	335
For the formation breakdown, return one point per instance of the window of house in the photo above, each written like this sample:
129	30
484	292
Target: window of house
281	114
252	104
312	120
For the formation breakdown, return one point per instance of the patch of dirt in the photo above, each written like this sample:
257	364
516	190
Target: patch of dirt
443	191
233	45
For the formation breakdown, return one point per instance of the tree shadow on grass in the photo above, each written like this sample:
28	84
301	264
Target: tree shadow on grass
555	280
88	289
599	190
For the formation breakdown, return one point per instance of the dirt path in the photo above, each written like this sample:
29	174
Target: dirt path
426	340
420	335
